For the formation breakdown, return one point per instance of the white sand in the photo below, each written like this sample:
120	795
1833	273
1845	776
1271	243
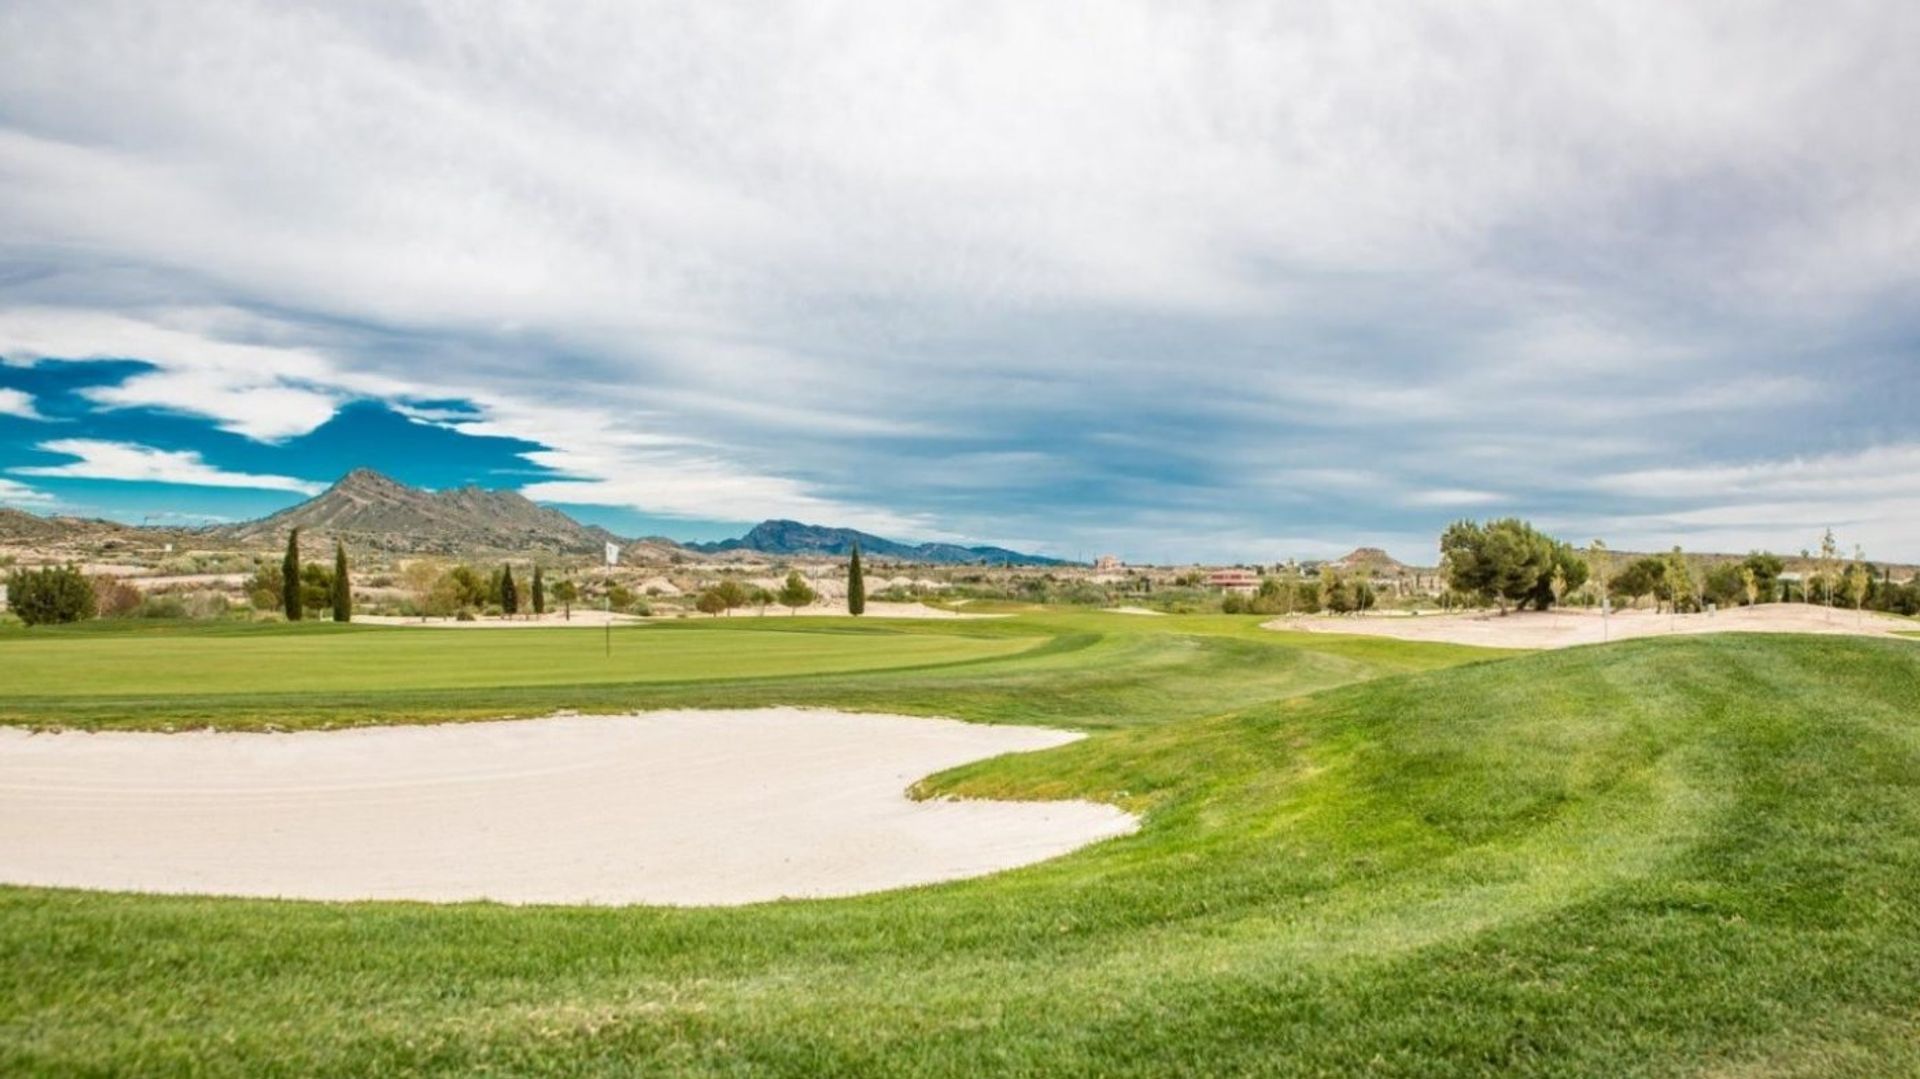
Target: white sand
582	619
677	807
1134	610
1563	628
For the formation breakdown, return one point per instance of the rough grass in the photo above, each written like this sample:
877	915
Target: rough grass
1688	856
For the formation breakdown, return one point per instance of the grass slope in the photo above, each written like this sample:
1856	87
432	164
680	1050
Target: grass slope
1668	857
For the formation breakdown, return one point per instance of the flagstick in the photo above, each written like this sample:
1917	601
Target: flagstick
606	600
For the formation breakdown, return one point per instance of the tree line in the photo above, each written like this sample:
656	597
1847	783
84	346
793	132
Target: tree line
1509	561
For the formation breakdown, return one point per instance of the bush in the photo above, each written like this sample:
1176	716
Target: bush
465	615
161	607
115	598
52	595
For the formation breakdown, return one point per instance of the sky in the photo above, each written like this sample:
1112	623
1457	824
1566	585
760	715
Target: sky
1213	282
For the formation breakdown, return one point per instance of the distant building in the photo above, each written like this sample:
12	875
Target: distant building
1234	580
1107	563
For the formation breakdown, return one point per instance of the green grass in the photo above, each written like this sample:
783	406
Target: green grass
1688	856
1090	671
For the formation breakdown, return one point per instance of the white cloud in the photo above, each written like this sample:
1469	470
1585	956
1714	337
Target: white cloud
19	404
1867	497
1448	497
101	460
265	392
810	257
1876	472
14	493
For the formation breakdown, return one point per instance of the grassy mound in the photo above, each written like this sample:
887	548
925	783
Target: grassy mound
1685	856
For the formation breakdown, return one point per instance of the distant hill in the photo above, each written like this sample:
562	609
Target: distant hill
792	538
377	510
19	526
1372	561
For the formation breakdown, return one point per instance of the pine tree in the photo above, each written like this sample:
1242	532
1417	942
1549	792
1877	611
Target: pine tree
856	584
342	586
290	577
539	592
509	592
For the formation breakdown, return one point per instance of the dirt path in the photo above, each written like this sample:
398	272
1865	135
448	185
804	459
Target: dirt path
678	807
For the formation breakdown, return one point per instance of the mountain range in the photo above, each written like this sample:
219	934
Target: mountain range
384	513
375	510
794	539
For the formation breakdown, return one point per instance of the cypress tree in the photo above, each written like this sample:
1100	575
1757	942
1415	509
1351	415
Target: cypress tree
290	577
342	587
539	592
509	592
856	584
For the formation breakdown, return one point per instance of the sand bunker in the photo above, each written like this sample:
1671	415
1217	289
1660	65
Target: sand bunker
1563	628
664	807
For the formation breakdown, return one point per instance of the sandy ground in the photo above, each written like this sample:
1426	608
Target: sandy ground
1134	610
595	618
582	617
876	608
677	807
189	580
1563	628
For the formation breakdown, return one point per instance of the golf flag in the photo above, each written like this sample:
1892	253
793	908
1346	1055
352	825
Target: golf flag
613	554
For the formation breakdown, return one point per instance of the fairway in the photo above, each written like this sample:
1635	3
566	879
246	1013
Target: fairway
1089	671
327	658
1653	858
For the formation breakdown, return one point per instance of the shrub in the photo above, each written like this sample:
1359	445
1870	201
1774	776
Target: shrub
167	606
115	598
51	595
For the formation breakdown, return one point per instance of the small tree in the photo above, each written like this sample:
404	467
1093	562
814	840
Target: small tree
342	586
1750	584
796	592
1335	593
759	597
710	601
1859	581
290	578
421	577
732	593
1679	578
51	595
539	592
469	590
509	592
856	584
1599	567
566	592
1829	567
316	587
265	587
